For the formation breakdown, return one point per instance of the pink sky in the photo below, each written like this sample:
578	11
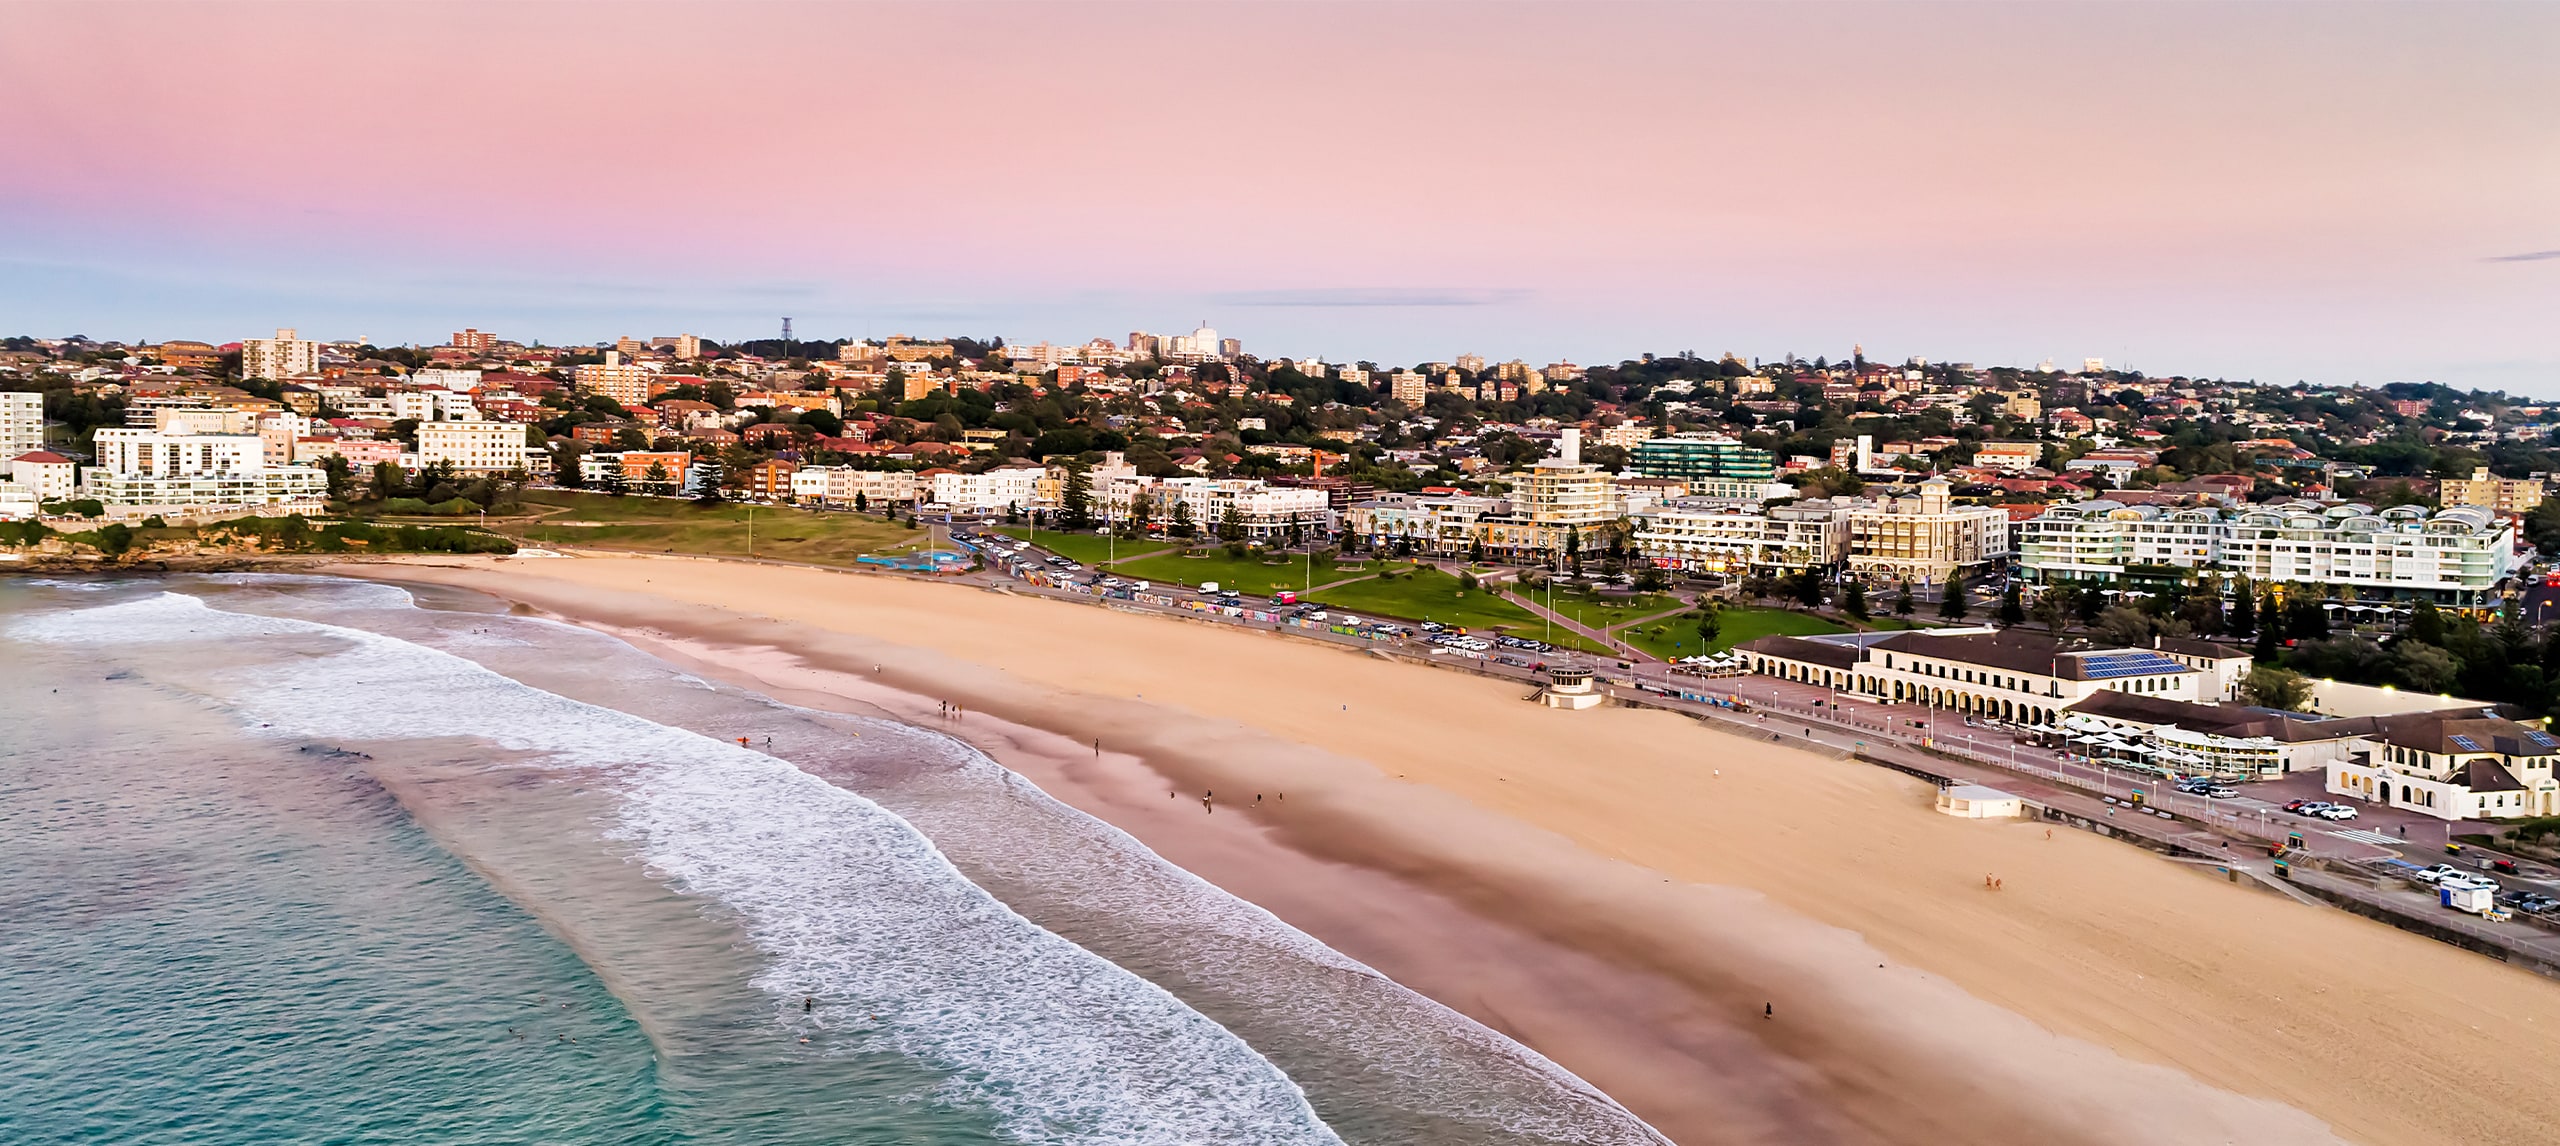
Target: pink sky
2276	191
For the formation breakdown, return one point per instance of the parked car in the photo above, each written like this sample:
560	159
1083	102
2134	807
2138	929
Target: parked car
2337	813
2221	791
2296	805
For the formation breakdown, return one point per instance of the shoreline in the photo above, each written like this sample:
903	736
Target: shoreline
1545	927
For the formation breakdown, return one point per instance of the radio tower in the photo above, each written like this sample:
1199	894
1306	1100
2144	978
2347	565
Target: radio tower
786	336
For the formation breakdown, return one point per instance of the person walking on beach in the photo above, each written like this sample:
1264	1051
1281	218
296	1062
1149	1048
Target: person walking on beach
1768	1010
808	1003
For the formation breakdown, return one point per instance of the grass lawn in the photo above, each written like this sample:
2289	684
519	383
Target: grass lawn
1431	595
1605	612
1247	575
672	525
1089	548
1679	635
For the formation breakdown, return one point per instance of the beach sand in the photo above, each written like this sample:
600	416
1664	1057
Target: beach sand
1588	882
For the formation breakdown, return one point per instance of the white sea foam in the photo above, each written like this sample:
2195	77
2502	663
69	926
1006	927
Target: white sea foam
1414	1052
849	900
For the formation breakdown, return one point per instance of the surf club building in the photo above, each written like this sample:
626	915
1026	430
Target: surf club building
2006	675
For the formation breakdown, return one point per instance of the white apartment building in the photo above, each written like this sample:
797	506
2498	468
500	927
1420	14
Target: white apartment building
1721	537
996	490
173	467
1442	526
2457	556
49	476
21	422
2099	540
473	447
845	485
1925	537
1260	510
1407	387
280	357
447	378
2454	557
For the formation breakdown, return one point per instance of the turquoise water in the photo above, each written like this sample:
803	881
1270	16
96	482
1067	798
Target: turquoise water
295	860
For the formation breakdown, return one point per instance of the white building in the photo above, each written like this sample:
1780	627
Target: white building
473	447
2454	557
49	476
1260	511
280	357
21	422
1925	537
174	467
2009	675
1723	537
993	491
847	486
1443	525
2008	457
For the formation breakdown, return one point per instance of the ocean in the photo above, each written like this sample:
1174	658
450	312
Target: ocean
290	859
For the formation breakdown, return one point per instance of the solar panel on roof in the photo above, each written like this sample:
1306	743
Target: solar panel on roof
2542	738
2465	743
2109	666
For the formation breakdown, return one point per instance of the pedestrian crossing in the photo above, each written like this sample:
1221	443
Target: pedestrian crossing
2368	836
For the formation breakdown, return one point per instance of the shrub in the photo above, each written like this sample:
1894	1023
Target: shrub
406	505
454	506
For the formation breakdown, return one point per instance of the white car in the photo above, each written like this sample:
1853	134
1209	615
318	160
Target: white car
2336	812
2467	880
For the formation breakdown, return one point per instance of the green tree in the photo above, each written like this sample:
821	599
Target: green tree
2273	687
861	502
2013	609
1951	603
2426	625
1853	599
113	540
1904	604
1710	625
1807	587
1183	526
1076	500
655	479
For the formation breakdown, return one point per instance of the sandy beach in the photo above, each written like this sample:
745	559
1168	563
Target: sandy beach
1627	890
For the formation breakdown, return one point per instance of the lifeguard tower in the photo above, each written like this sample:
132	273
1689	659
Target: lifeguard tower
1570	687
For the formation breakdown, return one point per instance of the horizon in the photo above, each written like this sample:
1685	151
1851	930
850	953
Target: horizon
2331	195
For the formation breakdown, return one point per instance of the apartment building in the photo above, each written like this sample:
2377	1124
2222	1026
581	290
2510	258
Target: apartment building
624	382
2110	543
280	357
179	467
994	491
2008	457
1559	504
473	447
2507	497
1710	536
21	422
1259	510
1441	525
473	339
847	487
2453	765
1925	537
1694	456
633	467
2457	557
1408	387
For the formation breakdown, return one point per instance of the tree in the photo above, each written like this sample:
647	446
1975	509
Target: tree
2305	616
1183	526
2244	609
707	476
1807	587
1951	603
610	481
114	540
2013	609
655	480
1853	599
1076	500
1573	549
1650	579
1710	624
2426	626
861	502
1904	604
2125	626
2425	667
2053	608
2273	687
341	475
1140	509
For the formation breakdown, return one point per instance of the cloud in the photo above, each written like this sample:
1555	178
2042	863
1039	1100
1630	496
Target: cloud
2527	257
1374	296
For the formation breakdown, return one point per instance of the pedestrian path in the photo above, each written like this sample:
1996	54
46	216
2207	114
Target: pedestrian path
2368	835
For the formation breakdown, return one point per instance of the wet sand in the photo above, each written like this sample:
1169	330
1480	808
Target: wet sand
1588	883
